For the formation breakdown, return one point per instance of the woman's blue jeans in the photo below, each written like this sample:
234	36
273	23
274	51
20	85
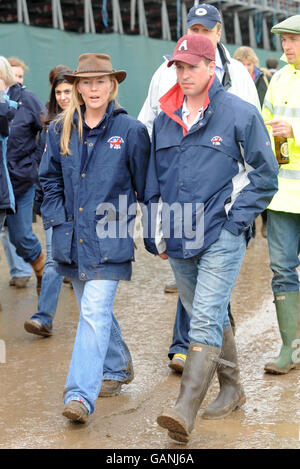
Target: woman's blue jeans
51	286
99	350
205	283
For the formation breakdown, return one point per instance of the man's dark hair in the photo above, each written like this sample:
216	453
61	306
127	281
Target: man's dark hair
272	63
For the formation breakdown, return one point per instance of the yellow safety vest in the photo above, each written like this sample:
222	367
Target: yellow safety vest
282	100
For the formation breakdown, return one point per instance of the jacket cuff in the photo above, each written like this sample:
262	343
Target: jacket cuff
49	223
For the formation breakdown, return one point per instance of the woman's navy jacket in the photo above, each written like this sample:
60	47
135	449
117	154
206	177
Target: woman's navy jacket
90	195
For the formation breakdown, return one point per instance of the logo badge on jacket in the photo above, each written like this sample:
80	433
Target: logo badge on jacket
216	140
115	142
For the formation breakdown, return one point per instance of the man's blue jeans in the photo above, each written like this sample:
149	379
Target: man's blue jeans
205	283
283	230
180	339
99	350
20	228
51	286
17	266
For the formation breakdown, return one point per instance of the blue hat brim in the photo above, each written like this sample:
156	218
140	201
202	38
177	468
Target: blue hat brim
209	24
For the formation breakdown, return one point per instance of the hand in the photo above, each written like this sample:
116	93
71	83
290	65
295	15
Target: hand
163	255
281	128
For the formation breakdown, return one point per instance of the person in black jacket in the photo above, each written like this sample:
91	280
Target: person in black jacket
23	157
261	78
41	322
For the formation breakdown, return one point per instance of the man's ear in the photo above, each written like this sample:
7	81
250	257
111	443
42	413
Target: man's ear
212	68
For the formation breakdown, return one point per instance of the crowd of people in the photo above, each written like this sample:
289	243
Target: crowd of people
204	144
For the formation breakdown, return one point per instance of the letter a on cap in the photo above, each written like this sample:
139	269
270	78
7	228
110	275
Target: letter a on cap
183	45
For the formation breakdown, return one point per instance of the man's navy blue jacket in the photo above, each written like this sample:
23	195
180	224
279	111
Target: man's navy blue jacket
221	173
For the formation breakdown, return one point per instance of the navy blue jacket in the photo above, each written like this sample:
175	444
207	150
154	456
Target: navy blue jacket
23	153
220	173
7	112
81	195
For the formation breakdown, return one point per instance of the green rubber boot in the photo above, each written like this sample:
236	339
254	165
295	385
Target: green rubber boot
288	316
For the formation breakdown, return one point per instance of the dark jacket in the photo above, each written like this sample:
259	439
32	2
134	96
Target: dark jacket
261	82
39	195
7	112
81	195
23	153
220	174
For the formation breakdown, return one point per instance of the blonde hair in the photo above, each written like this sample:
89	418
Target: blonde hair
67	116
246	53
15	62
6	72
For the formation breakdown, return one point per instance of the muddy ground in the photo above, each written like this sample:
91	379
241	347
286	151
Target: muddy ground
32	378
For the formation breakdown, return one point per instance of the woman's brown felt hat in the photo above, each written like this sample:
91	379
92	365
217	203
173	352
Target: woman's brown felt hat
95	65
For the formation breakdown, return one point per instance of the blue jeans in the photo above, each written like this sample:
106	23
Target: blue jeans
2	218
180	339
205	283
17	266
20	228
99	350
51	286
283	231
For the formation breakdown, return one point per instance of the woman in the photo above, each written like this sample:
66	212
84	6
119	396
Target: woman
41	322
249	59
96	160
23	156
7	112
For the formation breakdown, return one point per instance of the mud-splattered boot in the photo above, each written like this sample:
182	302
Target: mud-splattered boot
288	316
231	395
199	369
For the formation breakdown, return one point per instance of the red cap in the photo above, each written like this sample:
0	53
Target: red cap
191	48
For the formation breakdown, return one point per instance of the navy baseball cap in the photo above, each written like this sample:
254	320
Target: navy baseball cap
204	14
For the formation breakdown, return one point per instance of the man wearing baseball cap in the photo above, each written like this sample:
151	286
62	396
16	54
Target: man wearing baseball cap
212	165
281	112
204	20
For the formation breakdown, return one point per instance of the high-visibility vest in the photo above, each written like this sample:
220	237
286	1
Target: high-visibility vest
282	100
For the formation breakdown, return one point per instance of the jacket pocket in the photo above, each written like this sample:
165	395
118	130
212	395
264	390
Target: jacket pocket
62	242
110	246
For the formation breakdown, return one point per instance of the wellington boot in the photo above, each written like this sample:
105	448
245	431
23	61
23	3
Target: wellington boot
199	369
38	267
231	395
288	316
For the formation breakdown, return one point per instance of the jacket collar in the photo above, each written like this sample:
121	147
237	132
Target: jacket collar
112	110
172	101
14	92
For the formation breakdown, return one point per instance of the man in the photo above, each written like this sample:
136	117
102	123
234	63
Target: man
19	68
204	20
281	112
212	162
